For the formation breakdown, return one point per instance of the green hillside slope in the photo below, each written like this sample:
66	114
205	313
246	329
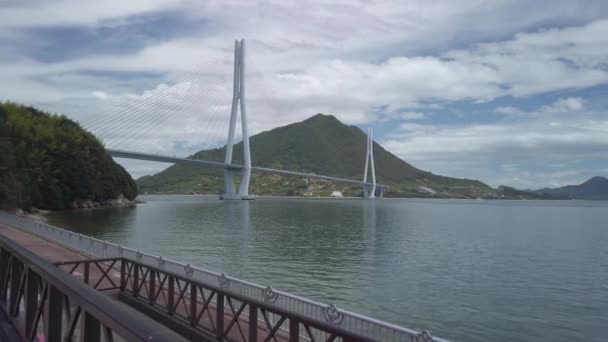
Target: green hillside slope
320	144
49	162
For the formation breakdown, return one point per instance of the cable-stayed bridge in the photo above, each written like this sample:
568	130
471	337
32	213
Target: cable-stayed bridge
135	115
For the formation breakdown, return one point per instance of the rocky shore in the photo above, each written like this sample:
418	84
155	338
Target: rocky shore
39	215
120	201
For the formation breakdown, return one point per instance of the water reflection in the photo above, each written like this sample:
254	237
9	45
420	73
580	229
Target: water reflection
237	223
369	220
108	223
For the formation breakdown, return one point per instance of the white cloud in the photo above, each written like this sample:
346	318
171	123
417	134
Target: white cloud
412	115
571	104
560	107
479	148
76	12
510	110
100	95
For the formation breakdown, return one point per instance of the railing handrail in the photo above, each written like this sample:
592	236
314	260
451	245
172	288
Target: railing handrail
111	314
357	321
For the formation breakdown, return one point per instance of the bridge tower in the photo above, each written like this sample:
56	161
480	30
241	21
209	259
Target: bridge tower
369	191
238	102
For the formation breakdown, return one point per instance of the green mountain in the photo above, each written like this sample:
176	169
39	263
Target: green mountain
320	144
595	188
49	162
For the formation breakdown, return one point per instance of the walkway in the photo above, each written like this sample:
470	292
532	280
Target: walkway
55	253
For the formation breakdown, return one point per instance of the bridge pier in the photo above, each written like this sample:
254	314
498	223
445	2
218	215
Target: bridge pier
369	190
381	192
238	102
231	192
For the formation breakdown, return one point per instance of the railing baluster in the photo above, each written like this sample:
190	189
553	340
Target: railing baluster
193	304
53	314
135	280
253	323
108	334
170	295
294	330
31	299
86	272
4	269
90	329
123	274
152	287
219	310
16	273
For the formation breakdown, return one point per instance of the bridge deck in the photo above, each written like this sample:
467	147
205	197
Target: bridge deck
206	163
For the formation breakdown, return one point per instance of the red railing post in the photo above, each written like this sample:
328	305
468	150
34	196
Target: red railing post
170	295
4	264
294	330
91	329
193	304
86	272
31	300
53	314
219	310
123	274
135	280
253	323
152	286
16	273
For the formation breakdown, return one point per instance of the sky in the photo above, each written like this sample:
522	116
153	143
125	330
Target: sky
507	92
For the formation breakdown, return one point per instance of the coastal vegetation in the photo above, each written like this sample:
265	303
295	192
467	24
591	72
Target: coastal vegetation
48	161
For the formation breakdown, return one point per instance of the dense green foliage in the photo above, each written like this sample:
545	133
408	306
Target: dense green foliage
48	162
320	144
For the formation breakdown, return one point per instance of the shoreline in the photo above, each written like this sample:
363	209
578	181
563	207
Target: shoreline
382	198
40	215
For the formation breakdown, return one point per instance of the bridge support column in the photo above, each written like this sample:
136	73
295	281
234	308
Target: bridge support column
381	192
238	102
369	190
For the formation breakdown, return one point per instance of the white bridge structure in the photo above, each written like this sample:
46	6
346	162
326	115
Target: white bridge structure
371	189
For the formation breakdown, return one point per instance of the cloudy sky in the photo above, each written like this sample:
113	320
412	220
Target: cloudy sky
508	92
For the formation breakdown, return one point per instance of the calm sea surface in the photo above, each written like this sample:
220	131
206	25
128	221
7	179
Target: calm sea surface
465	270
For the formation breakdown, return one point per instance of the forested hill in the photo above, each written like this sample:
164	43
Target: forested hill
320	144
50	162
595	188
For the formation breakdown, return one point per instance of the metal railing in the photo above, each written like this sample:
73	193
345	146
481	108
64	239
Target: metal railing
43	303
354	323
200	311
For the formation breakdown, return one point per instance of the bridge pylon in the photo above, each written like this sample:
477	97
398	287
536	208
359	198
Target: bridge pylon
238	103
369	191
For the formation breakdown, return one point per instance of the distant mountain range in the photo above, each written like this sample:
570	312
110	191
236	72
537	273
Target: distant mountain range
595	188
323	145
